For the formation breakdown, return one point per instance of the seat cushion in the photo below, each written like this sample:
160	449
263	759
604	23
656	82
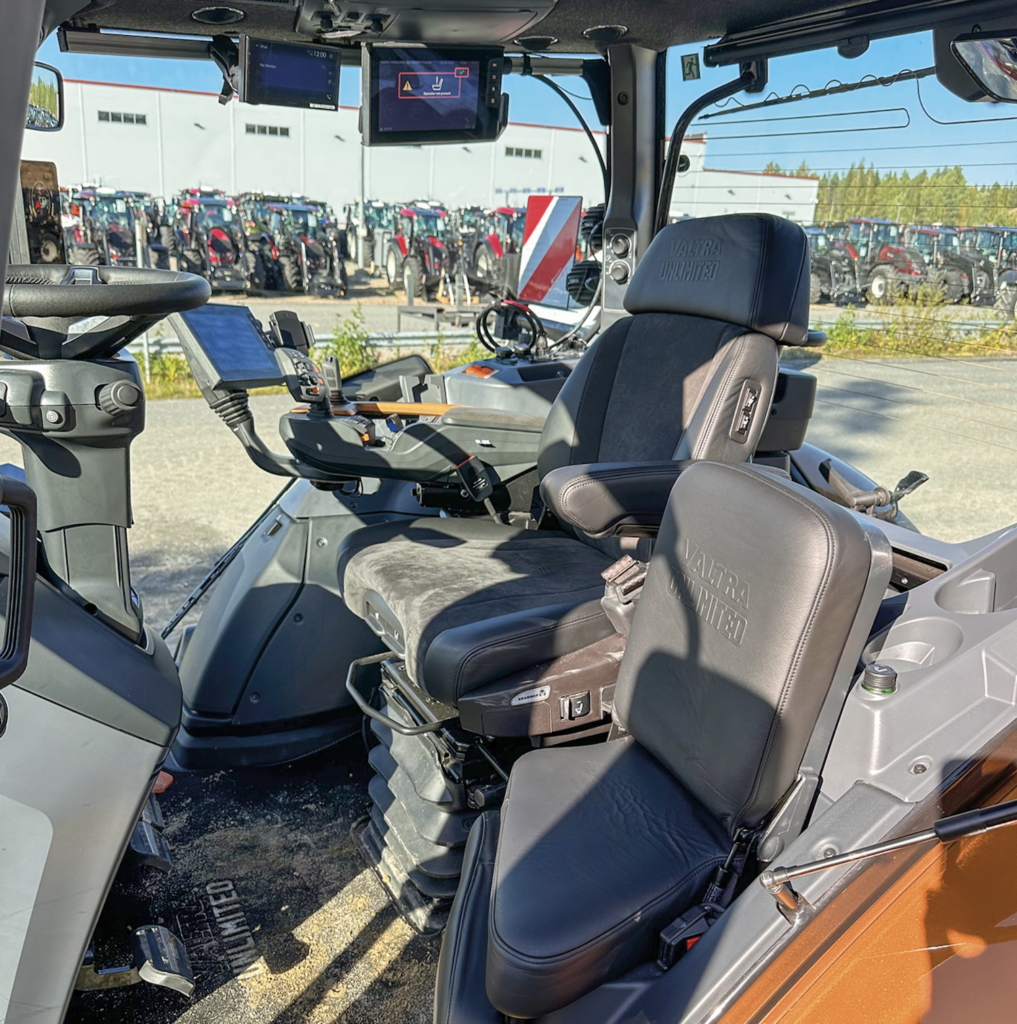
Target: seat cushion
475	600
600	848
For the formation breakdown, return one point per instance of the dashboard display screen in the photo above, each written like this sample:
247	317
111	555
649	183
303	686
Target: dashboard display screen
419	95
232	346
290	75
427	95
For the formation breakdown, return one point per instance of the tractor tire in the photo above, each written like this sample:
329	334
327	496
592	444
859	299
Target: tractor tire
413	278
343	279
882	286
392	268
189	261
289	270
484	264
815	288
168	237
84	256
257	276
1006	301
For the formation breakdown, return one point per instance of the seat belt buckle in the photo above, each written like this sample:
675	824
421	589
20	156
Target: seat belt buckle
624	578
623	583
681	935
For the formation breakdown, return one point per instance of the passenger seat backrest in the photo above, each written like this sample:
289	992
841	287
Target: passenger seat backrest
712	300
756	607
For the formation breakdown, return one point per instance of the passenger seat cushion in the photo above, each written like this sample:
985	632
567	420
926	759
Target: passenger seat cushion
476	600
751	595
600	848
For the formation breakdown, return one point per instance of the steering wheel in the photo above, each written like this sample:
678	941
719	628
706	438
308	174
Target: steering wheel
50	298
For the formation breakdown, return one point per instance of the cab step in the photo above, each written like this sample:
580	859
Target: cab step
149	848
156	956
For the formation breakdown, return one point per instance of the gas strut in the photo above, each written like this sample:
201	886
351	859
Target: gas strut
946	830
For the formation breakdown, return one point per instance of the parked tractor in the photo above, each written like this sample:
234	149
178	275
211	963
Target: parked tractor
378	219
107	229
960	272
997	246
417	257
209	241
883	265
488	239
307	260
833	270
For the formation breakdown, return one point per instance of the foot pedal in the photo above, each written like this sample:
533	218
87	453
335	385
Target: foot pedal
150	848
152	813
162	959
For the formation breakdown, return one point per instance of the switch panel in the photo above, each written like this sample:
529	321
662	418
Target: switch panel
745	411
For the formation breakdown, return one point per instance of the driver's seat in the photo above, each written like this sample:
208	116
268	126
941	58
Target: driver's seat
468	601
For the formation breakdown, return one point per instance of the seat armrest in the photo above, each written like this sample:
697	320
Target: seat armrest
474	416
611	499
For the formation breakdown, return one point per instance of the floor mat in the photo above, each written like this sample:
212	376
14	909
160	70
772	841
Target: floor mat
282	919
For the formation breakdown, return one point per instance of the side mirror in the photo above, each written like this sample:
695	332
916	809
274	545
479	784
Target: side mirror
991	60
45	100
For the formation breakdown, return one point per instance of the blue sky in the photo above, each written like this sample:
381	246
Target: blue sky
828	134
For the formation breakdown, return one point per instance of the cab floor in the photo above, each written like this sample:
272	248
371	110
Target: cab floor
304	933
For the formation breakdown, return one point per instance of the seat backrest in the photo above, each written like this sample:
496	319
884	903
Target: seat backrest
711	302
756	606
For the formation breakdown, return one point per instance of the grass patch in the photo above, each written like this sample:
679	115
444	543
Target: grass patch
912	326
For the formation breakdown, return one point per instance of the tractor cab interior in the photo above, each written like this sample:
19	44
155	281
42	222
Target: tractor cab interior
614	631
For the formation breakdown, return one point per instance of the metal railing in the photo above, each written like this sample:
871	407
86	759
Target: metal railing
147	348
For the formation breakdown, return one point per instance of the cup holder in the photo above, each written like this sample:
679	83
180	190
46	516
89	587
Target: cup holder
973	594
919	643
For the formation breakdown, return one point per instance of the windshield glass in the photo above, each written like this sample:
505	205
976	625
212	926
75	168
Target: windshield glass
113	211
215	216
918	370
429	225
304	222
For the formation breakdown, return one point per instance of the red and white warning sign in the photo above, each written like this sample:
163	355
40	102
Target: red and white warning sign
549	248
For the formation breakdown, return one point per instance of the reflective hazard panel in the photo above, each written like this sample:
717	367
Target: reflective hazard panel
549	248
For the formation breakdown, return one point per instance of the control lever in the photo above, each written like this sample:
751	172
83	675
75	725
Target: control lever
879	497
304	380
477	483
333	378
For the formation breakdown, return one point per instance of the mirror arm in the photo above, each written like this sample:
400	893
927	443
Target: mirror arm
752	79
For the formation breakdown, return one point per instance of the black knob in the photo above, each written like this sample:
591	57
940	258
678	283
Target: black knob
620	271
120	397
620	245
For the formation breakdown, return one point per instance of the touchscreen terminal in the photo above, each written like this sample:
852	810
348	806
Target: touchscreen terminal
423	95
289	74
228	347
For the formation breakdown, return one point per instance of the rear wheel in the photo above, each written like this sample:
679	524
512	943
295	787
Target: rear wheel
189	261
815	288
257	277
392	268
84	256
413	278
881	285
290	272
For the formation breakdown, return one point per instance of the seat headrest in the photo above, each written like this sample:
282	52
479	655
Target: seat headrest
749	269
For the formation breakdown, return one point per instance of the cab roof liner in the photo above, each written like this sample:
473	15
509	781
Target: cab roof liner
572	26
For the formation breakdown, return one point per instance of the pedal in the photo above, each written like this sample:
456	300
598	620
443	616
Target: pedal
152	813
150	847
92	978
161	958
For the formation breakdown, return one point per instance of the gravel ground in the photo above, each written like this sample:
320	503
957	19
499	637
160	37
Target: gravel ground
331	948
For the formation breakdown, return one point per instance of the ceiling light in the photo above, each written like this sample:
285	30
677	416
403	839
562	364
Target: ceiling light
217	15
604	35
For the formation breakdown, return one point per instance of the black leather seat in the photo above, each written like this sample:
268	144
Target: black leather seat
469	601
753	616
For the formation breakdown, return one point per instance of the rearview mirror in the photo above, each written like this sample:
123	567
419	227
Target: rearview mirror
991	60
45	100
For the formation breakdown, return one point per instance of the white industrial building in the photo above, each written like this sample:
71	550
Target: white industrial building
162	140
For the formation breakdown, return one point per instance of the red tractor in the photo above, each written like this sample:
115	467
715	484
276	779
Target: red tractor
489	248
883	265
417	255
